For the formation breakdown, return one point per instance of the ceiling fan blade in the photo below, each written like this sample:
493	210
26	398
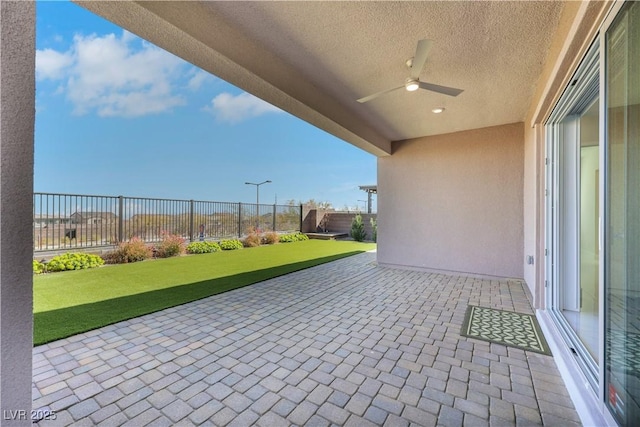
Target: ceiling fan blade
375	95
451	91
419	59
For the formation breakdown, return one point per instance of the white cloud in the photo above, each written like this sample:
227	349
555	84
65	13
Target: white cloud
106	74
234	109
198	78
51	64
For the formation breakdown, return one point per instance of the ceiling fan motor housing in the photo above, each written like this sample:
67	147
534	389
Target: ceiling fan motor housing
411	84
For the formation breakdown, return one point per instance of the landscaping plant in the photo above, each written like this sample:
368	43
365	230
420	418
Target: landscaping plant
270	238
357	229
374	226
252	240
231	244
132	251
171	245
293	237
203	247
71	261
38	267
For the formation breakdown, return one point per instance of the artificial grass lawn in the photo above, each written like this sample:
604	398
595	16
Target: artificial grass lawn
73	302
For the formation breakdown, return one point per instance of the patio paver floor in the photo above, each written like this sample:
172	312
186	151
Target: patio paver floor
345	343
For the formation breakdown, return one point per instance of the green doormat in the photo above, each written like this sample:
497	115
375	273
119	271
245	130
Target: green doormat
504	327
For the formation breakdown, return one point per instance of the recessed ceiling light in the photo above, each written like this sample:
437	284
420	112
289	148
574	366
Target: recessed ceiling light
438	110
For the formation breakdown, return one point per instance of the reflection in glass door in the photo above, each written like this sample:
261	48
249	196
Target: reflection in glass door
586	323
578	226
622	213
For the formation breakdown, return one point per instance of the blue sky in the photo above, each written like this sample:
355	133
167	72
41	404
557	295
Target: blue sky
116	115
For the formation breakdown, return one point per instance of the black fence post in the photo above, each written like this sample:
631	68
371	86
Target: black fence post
300	225
274	218
120	219
191	220
239	219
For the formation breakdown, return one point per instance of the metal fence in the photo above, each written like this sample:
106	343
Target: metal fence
69	221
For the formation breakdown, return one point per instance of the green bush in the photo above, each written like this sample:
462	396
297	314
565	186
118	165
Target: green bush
293	237
171	245
203	247
38	267
231	244
74	261
374	226
287	238
357	229
132	251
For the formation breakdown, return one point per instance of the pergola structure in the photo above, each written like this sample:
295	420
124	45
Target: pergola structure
370	189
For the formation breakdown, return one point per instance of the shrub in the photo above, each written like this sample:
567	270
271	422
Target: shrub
357	229
171	245
231	244
374	226
74	261
252	240
287	238
132	251
203	247
38	267
270	238
293	237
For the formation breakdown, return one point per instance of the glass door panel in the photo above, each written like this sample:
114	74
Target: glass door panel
578	228
575	181
622	211
587	326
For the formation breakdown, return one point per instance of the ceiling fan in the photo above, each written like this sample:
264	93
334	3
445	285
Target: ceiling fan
412	83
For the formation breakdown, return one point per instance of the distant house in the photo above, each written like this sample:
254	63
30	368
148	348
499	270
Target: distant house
45	220
92	218
150	218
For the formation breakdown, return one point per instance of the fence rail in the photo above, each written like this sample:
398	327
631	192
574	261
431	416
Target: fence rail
70	221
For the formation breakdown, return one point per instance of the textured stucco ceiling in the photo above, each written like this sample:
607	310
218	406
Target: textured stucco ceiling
315	59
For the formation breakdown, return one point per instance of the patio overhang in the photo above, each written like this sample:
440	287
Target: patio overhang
315	59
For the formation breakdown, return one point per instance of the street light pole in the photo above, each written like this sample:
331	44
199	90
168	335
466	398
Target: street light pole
258	199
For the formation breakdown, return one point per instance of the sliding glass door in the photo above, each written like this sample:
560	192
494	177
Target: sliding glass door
622	237
593	215
574	174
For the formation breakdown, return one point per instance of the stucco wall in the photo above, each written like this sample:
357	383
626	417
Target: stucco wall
17	116
454	202
312	218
